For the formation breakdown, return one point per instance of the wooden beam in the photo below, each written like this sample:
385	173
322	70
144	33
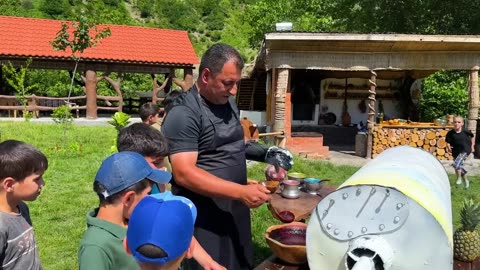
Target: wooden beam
473	100
371	111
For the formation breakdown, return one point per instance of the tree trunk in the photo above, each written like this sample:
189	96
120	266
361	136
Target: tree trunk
91	92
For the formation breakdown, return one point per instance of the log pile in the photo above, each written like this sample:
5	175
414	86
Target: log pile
429	139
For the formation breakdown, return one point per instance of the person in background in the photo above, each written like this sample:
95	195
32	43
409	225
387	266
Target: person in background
461	143
152	145
149	113
122	180
21	175
208	157
160	231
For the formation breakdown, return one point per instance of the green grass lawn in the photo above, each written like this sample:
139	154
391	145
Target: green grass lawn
59	213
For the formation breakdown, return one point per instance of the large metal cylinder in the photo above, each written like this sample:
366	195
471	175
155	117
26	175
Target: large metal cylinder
394	213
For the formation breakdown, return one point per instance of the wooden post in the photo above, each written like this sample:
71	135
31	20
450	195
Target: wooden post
91	92
117	85
473	100
280	94
187	82
371	111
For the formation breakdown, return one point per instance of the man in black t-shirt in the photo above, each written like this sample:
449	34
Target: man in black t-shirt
461	144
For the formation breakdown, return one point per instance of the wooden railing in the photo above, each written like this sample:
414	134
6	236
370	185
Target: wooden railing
39	103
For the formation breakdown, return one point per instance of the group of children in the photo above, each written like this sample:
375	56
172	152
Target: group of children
133	217
129	218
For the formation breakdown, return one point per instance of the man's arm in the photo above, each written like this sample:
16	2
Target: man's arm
187	174
203	258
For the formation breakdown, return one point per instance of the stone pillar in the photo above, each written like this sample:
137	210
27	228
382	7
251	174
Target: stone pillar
281	87
91	92
371	111
473	100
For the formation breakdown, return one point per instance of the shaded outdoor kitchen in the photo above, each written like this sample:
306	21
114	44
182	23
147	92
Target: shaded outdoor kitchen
320	89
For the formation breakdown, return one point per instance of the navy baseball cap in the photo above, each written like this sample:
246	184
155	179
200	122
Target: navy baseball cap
164	221
124	169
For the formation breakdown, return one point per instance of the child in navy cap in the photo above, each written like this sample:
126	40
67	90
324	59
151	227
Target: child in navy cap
160	231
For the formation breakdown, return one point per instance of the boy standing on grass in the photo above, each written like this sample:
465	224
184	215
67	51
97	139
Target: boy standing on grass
160	231
461	143
121	182
21	175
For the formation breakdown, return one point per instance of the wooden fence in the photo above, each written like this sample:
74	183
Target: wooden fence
39	103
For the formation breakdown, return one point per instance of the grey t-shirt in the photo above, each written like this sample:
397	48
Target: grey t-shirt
18	248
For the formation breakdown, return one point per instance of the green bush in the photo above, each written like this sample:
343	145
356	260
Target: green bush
443	93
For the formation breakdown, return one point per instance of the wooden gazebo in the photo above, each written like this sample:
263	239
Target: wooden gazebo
370	57
129	49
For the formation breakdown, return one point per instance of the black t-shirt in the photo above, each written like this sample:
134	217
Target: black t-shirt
460	142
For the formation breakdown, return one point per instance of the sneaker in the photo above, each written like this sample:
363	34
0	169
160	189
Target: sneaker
467	183
459	181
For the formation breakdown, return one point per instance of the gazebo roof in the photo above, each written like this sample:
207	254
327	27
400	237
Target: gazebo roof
386	53
130	48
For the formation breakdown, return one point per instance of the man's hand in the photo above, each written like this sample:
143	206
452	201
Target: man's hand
254	195
251	182
213	266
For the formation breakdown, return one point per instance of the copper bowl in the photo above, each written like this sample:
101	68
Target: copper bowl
288	242
271	185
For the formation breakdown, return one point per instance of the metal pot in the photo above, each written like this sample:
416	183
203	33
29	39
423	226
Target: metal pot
297	176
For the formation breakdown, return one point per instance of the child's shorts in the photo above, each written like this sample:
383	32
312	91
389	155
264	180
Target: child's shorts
458	162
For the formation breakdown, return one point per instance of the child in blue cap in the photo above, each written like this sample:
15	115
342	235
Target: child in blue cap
160	231
121	182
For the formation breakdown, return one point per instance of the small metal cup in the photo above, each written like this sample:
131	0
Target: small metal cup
312	185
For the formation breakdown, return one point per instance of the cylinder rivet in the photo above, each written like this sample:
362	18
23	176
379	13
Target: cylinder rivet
364	230
396	219
336	232
329	226
358	192
345	196
381	227
350	234
399	205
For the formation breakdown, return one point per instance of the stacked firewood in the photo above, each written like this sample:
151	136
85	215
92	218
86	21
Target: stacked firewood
429	139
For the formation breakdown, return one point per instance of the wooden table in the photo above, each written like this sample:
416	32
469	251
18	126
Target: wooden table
301	207
274	263
458	265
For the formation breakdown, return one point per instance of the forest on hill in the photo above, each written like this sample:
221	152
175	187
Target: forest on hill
243	23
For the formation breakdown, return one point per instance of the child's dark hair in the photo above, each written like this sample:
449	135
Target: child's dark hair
100	190
151	251
169	100
19	160
148	109
143	139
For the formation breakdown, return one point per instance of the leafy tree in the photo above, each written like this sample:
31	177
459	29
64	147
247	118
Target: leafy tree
10	7
17	79
55	9
264	14
85	35
444	93
62	115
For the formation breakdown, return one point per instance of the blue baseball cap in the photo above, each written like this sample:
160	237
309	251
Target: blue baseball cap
124	169
164	221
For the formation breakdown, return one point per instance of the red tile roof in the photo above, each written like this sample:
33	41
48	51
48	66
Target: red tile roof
31	37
